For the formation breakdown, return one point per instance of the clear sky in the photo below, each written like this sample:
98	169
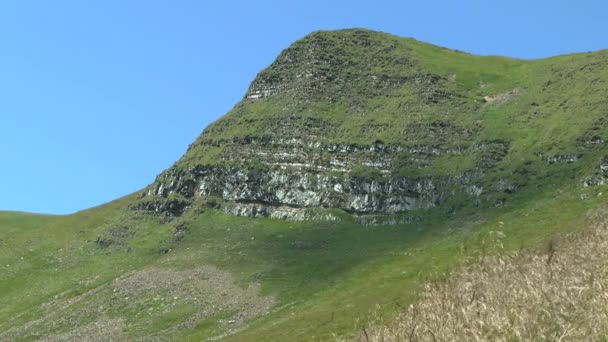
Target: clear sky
98	97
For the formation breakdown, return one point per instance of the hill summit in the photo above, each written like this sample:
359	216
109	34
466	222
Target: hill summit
379	128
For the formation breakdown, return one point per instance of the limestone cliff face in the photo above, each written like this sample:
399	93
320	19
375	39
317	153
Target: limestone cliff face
290	179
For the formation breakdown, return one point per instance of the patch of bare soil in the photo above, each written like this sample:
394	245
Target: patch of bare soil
504	97
101	330
132	303
206	287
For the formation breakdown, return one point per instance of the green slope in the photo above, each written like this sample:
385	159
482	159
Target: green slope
120	273
326	278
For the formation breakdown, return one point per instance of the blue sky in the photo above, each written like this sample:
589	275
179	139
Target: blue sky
98	97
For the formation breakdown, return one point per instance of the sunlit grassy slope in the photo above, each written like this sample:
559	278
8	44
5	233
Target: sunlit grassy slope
131	275
327	278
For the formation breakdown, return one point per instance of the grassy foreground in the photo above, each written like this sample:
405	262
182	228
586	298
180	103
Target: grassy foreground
249	279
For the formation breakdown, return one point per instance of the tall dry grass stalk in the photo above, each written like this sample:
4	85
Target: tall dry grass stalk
560	294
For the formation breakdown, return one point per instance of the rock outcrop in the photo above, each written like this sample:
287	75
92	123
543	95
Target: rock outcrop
287	182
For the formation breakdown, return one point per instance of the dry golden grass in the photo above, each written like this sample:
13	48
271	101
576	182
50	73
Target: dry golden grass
560	294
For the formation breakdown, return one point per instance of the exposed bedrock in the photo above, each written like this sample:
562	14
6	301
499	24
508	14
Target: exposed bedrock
288	193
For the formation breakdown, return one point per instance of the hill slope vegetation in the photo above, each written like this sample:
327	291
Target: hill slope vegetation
358	167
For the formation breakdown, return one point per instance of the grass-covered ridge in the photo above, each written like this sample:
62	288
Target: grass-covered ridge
535	130
504	123
358	86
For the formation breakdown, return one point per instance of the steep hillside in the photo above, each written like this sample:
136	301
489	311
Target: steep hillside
381	126
358	167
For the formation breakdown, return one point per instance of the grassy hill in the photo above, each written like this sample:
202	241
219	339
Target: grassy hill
171	263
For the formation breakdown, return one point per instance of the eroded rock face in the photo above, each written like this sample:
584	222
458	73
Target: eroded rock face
300	189
277	212
285	184
601	175
563	158
262	193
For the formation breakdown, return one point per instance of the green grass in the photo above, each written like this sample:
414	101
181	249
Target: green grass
58	273
328	277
